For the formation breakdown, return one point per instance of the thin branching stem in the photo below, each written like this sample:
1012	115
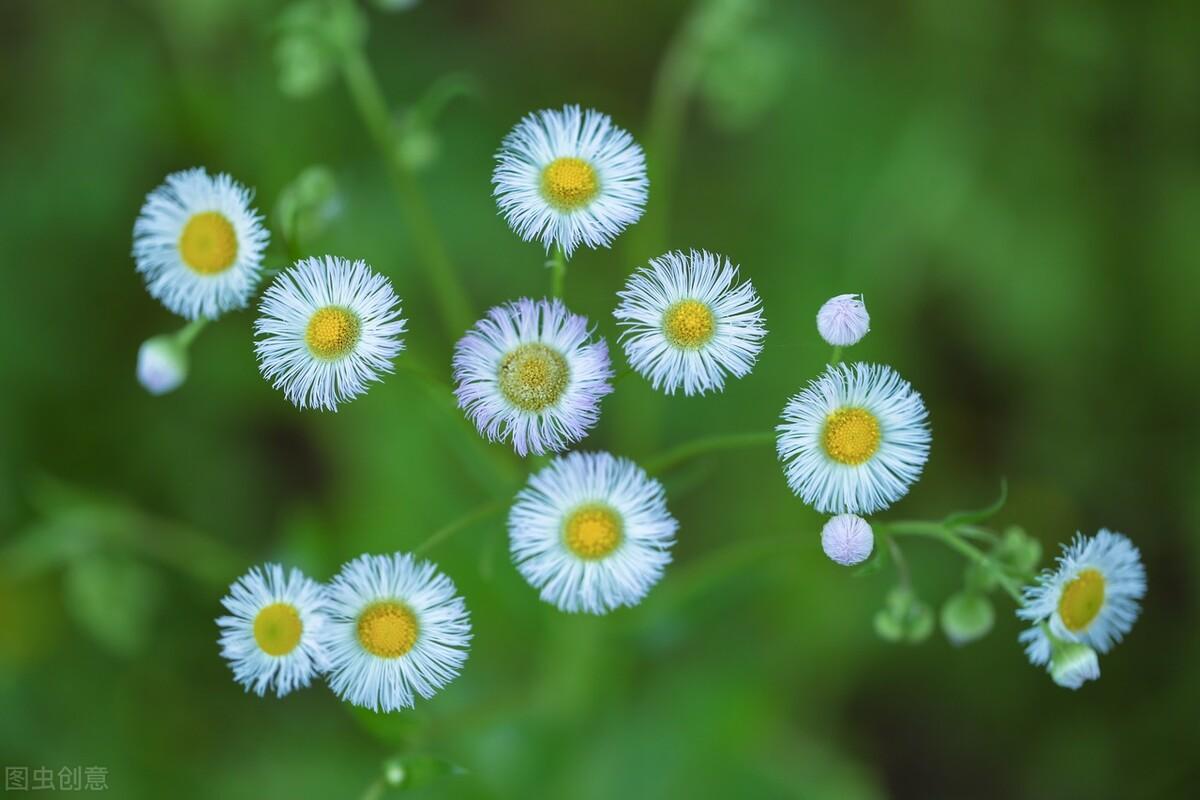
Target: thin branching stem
454	526
373	108
954	541
727	441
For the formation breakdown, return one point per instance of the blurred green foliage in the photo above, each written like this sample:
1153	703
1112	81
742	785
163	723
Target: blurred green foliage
1015	187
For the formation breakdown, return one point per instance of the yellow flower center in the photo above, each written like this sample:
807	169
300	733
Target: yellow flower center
689	324
533	376
851	435
592	531
1082	600
277	629
388	629
569	183
332	332
208	243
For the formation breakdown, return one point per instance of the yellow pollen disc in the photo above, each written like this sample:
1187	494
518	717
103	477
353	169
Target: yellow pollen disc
851	435
1082	600
208	243
592	531
387	630
332	332
569	183
277	629
533	376
689	323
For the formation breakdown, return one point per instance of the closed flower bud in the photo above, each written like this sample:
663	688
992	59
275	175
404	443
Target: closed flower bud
847	539
1073	664
967	616
843	320
162	365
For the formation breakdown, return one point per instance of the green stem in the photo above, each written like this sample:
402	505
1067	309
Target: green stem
375	790
673	84
901	564
372	107
836	356
465	521
502	474
189	332
952	540
727	441
558	272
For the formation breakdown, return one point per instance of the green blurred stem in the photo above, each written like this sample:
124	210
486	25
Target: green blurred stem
375	790
502	473
901	564
836	356
674	83
373	108
954	541
709	444
465	521
189	332
558	272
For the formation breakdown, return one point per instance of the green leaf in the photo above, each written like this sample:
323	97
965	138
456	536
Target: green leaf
973	517
114	599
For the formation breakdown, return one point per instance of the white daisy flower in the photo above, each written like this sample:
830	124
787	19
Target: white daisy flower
569	178
1092	597
854	440
592	532
843	320
847	539
326	329
687	323
272	636
199	244
397	628
528	372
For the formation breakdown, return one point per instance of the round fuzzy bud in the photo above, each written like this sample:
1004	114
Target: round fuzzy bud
161	365
843	320
847	539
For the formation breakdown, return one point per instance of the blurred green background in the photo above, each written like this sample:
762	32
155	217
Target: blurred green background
1015	186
